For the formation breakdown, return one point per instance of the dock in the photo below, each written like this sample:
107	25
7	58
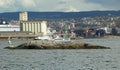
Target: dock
17	35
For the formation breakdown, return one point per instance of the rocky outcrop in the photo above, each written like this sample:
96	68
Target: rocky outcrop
56	45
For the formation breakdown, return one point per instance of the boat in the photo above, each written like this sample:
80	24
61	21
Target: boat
46	38
42	38
61	39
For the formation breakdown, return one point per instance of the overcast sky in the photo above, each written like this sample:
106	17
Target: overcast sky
58	5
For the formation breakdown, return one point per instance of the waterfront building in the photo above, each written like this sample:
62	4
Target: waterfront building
36	27
23	16
5	26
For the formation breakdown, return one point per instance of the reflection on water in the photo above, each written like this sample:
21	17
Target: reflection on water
93	59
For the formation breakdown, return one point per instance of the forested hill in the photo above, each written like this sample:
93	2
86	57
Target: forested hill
57	15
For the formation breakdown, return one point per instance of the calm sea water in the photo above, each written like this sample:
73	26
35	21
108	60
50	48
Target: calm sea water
81	59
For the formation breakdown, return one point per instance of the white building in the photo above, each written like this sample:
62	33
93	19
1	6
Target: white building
23	16
107	30
36	27
6	28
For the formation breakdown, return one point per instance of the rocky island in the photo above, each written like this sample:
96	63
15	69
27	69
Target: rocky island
56	45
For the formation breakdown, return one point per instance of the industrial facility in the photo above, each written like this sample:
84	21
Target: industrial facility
25	28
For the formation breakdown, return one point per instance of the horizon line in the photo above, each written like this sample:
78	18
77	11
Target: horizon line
60	11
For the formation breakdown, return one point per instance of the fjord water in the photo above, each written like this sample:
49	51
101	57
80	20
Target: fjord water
80	59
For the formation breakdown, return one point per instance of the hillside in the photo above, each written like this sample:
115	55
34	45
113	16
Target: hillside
57	15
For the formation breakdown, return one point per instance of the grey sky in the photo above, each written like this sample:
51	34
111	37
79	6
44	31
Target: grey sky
58	5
